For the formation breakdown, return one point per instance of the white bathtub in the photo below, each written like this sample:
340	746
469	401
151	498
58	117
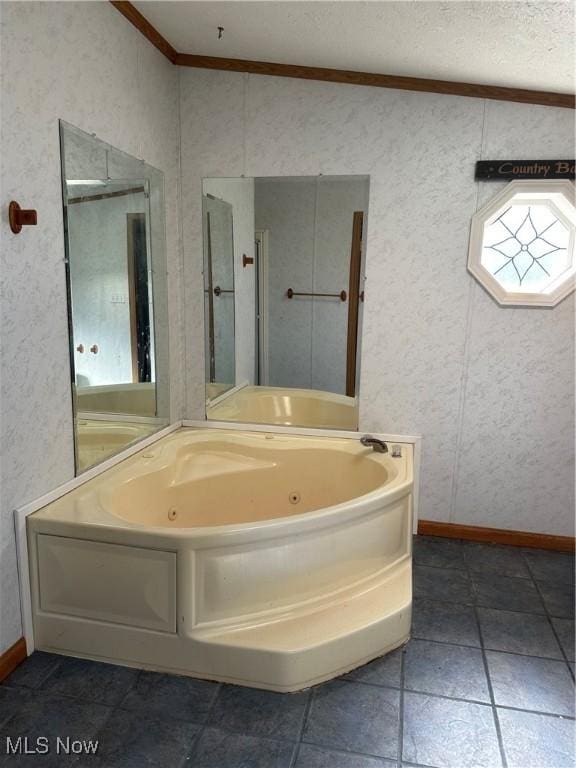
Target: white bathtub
266	560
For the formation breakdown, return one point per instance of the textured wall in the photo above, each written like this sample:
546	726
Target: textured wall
85	64
490	389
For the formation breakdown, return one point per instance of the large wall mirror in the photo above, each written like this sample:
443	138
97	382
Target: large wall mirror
283	286
116	273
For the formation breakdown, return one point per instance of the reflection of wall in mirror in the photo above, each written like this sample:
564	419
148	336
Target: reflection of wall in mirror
240	194
218	290
310	230
100	288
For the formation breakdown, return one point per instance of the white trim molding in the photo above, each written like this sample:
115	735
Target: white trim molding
558	197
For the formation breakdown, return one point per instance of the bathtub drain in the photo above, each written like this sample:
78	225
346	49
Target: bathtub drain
172	514
294	497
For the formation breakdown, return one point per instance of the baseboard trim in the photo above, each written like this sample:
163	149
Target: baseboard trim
11	658
497	536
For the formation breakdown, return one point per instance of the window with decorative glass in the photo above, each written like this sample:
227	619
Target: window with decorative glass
522	243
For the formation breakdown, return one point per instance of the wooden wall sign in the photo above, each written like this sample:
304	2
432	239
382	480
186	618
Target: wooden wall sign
506	170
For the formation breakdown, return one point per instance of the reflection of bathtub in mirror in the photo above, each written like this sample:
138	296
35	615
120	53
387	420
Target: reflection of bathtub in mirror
215	388
138	399
287	407
96	440
116	279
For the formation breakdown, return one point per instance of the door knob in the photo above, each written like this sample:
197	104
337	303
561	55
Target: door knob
94	349
80	348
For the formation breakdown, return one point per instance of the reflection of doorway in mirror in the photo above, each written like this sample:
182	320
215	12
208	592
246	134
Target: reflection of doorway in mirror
311	321
139	298
108	239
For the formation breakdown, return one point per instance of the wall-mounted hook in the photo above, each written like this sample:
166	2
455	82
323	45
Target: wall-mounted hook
19	217
247	260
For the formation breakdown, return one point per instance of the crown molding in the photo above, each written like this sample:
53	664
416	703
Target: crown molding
422	85
375	80
141	23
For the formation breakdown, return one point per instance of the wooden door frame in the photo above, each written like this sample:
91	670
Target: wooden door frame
354	302
262	236
211	337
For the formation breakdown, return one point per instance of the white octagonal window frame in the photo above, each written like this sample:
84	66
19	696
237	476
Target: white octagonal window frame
558	197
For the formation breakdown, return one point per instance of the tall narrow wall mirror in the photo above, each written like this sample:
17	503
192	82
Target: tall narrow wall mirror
117	303
284	292
219	295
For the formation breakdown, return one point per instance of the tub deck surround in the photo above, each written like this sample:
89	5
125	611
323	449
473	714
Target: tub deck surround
270	560
287	407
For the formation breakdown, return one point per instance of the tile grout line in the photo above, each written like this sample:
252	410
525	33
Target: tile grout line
305	714
466	566
467	701
476	605
202	728
130	688
494	650
340	679
549	616
467	569
490	690
341	751
401	707
57	665
419	765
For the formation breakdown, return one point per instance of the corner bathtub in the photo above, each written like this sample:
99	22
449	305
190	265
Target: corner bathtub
287	407
273	561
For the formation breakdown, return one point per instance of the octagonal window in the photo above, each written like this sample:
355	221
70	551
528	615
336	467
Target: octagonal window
522	243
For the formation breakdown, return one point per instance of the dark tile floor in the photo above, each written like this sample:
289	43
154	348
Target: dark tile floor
485	682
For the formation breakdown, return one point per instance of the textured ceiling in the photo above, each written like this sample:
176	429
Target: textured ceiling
496	42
